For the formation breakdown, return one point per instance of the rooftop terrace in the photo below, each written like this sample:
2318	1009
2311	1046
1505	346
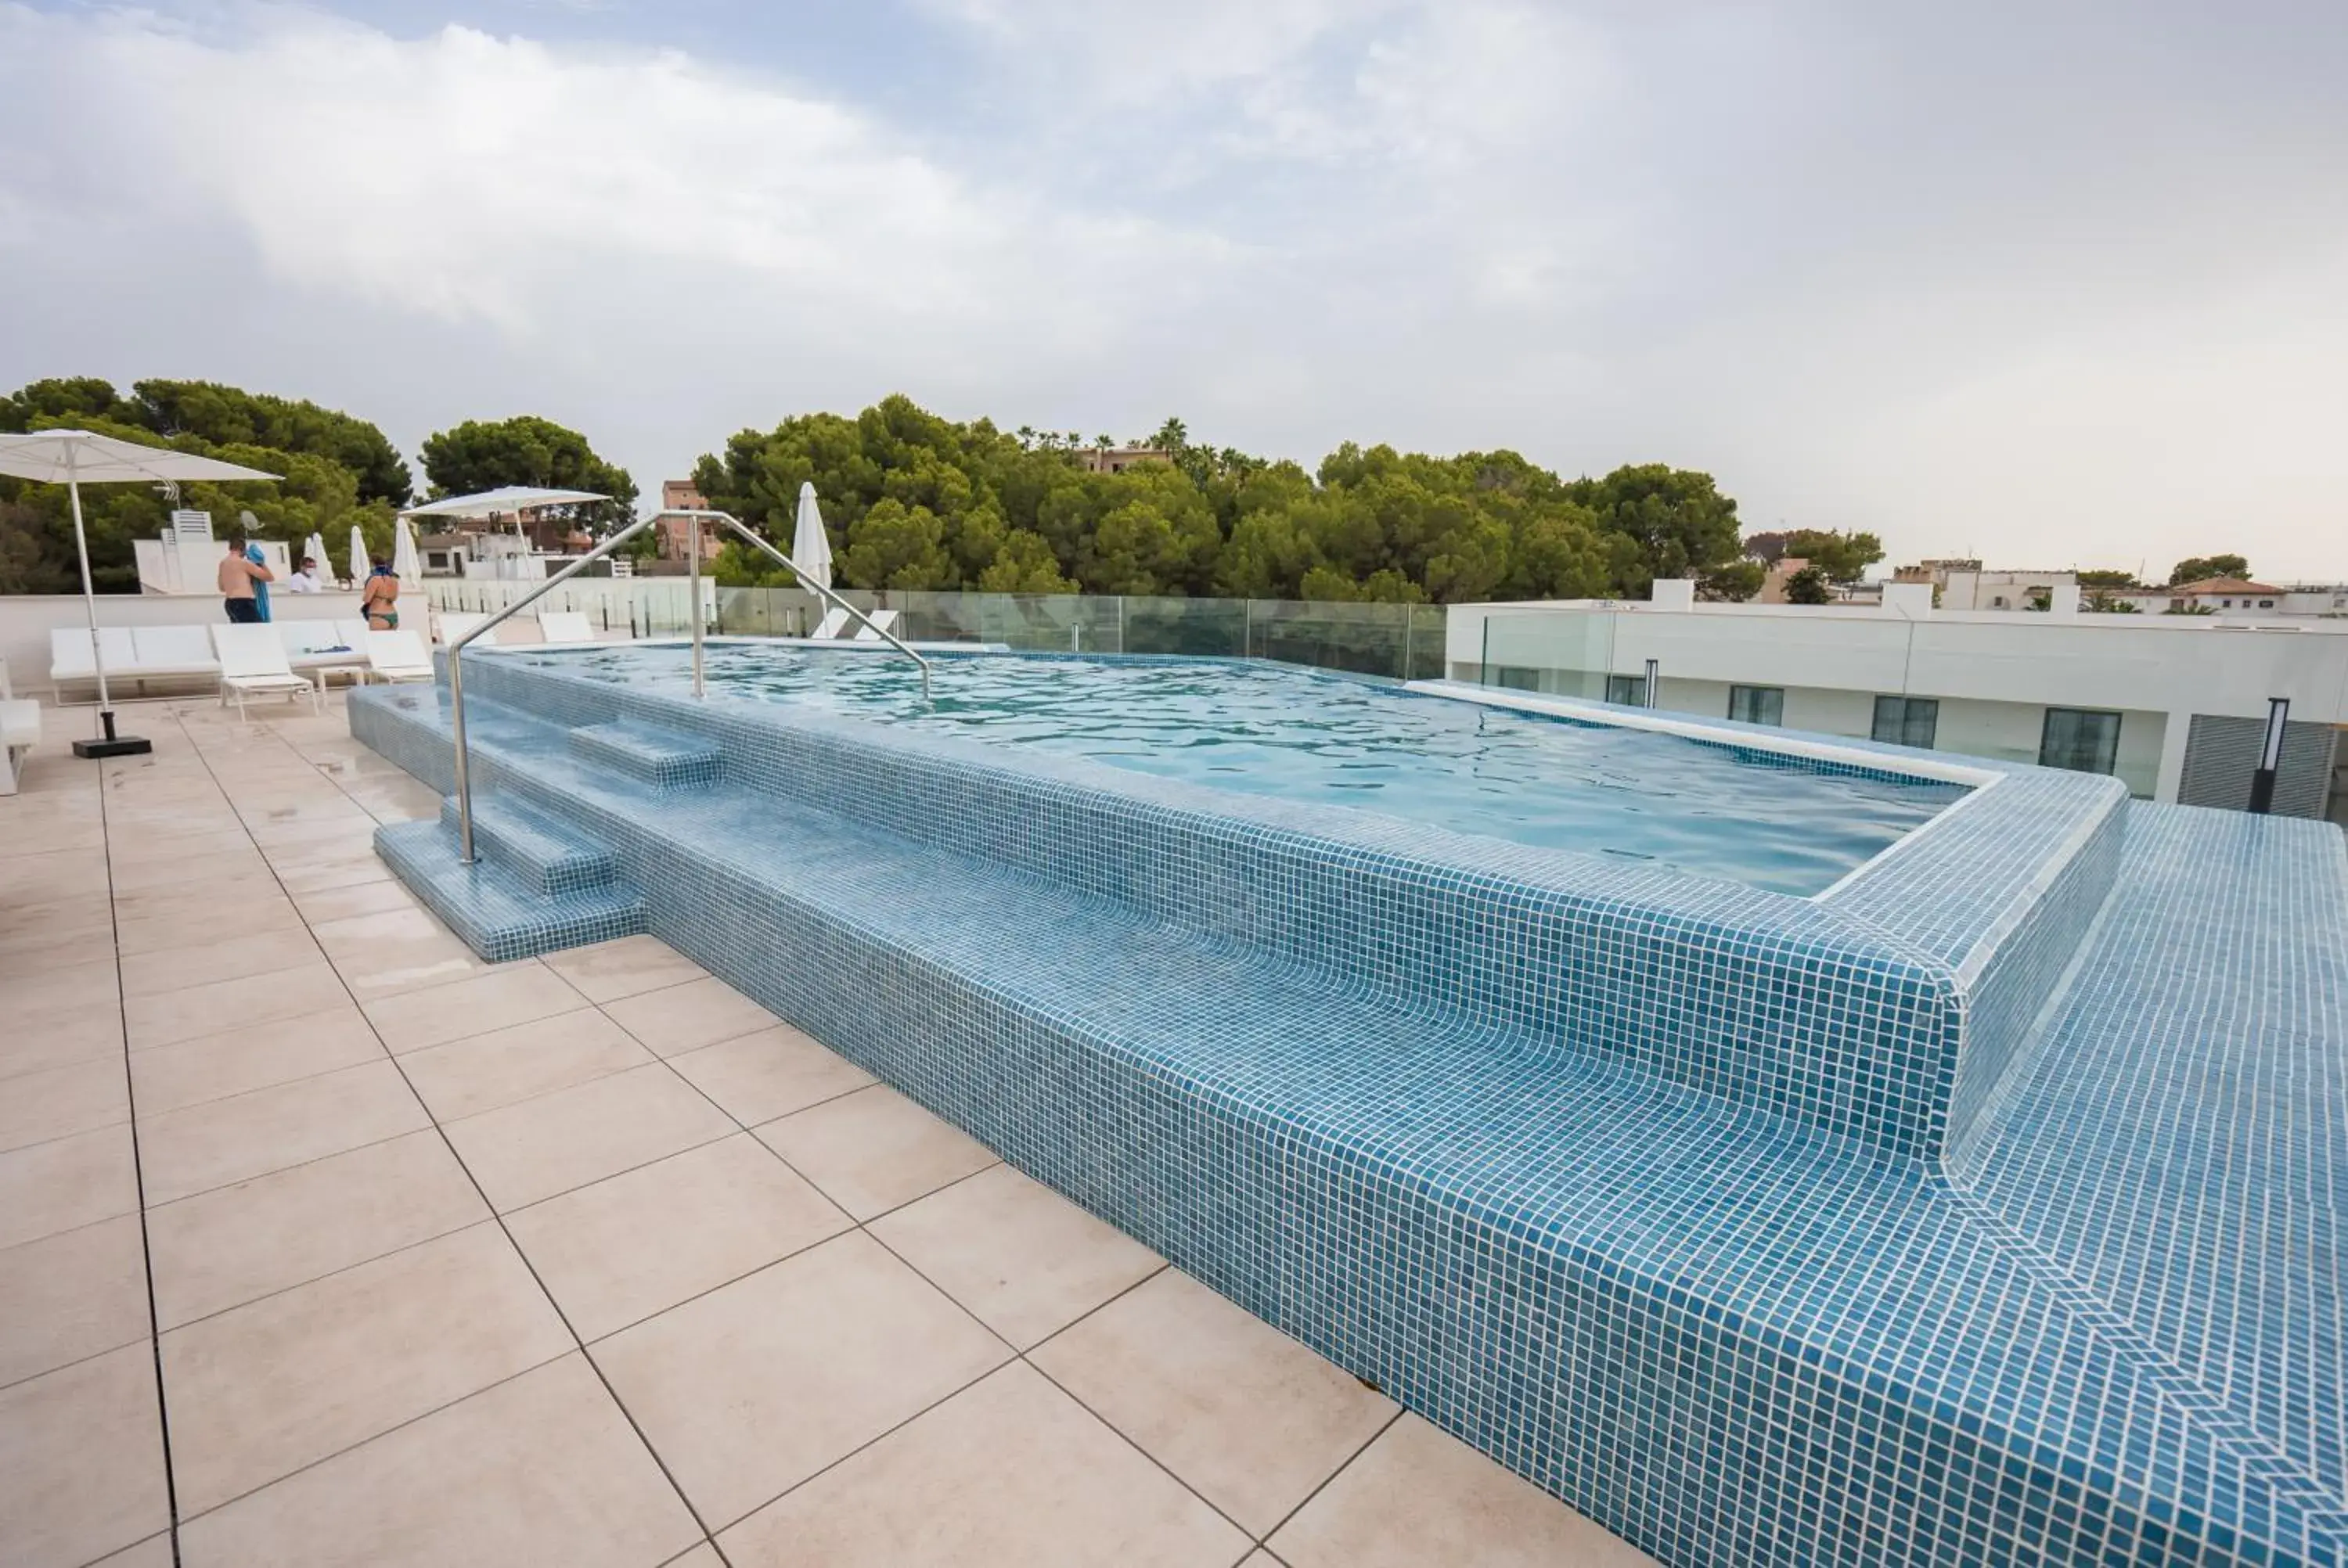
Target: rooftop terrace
324	1241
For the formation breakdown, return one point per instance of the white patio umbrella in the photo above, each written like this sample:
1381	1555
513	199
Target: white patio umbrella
507	499
405	559
810	545
73	458
359	557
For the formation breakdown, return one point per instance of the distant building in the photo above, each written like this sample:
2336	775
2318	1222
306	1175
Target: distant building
1118	459
2227	593
674	535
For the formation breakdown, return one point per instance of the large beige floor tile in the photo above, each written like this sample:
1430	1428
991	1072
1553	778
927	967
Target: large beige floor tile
67	1183
35	1042
89	984
1010	1471
172	1077
71	1295
524	1153
264	911
42	933
260	1391
1025	1260
643	1241
1246	1415
81	1461
148	874
1420	1495
755	1387
194	1012
58	1101
701	1556
57	874
398	950
609	971
347	903
237	1243
543	1468
683	1018
770	1073
871	1151
252	1135
466	1077
515	993
155	1552
345	868
239	956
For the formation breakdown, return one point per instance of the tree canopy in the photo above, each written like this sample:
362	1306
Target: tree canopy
328	462
487	454
2199	568
917	501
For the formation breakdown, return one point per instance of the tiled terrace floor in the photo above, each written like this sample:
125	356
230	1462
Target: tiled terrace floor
401	1258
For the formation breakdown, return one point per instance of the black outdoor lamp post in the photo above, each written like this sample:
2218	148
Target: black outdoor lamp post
2262	782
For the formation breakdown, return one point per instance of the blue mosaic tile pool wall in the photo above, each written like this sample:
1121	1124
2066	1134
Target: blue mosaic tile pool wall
1729	1342
1762	998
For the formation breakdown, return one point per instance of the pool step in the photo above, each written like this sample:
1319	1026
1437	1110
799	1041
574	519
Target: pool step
664	760
543	854
495	907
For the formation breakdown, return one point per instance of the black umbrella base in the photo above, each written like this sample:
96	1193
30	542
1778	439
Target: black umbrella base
112	745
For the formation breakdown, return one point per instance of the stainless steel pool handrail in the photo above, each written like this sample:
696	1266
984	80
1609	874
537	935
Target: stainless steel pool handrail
464	855
818	590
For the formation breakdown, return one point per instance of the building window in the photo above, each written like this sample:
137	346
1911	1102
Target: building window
1757	704
2082	741
2266	604
1630	691
1907	721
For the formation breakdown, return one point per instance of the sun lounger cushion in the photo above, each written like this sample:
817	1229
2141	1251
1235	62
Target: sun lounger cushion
882	621
70	656
173	650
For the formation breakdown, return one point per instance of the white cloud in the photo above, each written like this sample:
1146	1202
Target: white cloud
2066	299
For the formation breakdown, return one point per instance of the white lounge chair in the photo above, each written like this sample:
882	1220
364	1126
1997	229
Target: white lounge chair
252	664
564	628
397	656
20	732
71	657
456	624
882	621
172	653
833	622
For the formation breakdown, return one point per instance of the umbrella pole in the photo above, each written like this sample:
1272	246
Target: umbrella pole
112	745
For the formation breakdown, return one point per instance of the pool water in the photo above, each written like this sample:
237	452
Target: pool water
1269	729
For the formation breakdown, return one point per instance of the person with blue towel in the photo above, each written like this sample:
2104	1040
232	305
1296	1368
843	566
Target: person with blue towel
248	525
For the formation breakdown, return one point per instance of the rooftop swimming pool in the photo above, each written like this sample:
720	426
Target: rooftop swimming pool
1767	821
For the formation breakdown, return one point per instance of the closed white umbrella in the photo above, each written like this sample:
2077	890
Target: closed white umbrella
810	545
359	562
76	458
405	560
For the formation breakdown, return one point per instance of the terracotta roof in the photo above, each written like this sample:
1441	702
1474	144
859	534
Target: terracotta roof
2223	584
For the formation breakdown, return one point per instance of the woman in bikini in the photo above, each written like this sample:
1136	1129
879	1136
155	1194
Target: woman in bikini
381	599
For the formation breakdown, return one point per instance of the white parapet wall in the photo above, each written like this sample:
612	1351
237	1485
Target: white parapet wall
27	619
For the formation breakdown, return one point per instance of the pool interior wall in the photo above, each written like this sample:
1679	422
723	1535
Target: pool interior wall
1666	1193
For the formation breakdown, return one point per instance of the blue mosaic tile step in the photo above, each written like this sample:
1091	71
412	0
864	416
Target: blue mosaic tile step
667	761
498	916
1728	1335
541	853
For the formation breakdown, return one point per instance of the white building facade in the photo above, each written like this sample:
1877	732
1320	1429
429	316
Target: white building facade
2174	706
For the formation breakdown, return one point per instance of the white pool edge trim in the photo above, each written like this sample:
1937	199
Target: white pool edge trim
1922	767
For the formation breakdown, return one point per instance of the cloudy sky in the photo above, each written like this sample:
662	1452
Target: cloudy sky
2051	284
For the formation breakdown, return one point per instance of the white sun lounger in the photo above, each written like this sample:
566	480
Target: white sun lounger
455	623
71	660
882	621
564	628
172	652
252	664
833	623
397	656
20	731
320	645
